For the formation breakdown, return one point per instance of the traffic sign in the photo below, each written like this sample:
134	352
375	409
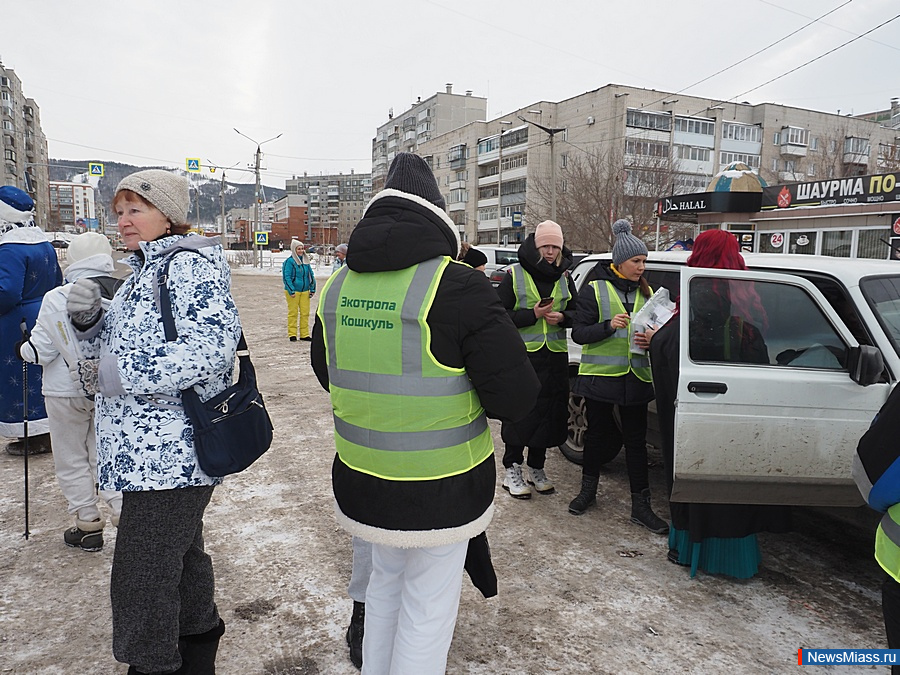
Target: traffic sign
192	164
95	168
262	238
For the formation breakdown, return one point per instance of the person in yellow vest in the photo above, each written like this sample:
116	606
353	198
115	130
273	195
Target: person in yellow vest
612	375
539	295
416	351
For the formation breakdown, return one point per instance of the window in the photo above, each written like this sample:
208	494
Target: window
776	138
762	323
810	169
515	137
487	214
742	132
457	196
691	152
814	143
789	165
794	136
515	161
564	160
457	152
871	244
694	126
646	148
726	158
641	119
836	243
856	146
774	164
513	187
803	243
487	192
487	145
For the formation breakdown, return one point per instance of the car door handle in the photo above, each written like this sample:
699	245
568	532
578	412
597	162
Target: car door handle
707	387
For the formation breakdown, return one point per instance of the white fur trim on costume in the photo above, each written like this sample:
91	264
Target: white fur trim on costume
391	192
13	215
415	538
23	235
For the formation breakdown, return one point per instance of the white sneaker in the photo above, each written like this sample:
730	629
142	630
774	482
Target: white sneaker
541	483
514	484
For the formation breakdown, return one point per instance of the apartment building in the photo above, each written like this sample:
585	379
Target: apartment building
335	204
422	121
290	220
497	175
71	207
24	144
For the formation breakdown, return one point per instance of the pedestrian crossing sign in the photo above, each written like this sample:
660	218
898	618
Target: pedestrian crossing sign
262	238
192	164
95	168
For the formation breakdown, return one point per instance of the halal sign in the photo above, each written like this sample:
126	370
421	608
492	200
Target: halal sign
777	240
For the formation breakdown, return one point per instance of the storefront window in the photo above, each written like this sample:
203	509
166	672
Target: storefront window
836	243
871	244
771	242
803	243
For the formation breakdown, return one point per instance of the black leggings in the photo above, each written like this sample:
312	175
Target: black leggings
515	454
603	440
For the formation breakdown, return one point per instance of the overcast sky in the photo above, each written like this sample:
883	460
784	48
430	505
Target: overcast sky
156	82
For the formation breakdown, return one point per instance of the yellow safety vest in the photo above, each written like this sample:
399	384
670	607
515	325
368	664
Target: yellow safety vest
613	357
398	413
887	542
527	296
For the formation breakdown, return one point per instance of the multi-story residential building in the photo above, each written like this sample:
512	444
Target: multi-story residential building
24	144
618	149
71	208
335	204
424	120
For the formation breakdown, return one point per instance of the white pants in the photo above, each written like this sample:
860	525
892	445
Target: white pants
75	456
411	607
361	570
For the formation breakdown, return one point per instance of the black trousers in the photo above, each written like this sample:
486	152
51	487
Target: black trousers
890	607
603	439
515	454
162	582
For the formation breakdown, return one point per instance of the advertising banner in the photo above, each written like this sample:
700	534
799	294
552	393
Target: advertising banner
834	192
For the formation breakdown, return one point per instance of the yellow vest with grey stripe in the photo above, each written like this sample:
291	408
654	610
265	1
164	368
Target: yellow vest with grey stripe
398	413
887	542
527	296
613	357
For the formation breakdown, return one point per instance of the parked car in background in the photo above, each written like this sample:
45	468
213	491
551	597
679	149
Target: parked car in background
59	243
782	432
498	256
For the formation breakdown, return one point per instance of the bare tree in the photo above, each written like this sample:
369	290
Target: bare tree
595	188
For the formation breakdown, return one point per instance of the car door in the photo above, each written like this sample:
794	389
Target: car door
777	421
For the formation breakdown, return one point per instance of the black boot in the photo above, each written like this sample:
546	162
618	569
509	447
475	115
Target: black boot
181	671
355	633
642	514
586	497
198	652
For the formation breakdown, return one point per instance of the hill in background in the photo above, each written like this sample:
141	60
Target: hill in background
237	195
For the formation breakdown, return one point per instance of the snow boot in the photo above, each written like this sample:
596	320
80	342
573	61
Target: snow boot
355	633
642	514
586	497
514	483
86	535
198	652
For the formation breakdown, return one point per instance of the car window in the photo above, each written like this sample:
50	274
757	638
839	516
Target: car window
760	322
883	295
580	271
507	257
668	279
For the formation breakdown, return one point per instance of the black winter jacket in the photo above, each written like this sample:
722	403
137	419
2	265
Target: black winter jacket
623	390
470	329
547	424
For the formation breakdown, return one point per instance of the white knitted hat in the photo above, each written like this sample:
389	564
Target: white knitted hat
166	191
87	244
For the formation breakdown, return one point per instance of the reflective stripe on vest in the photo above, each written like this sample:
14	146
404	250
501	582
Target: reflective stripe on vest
887	542
388	393
527	296
613	357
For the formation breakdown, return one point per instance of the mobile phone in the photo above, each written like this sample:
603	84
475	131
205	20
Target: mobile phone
545	301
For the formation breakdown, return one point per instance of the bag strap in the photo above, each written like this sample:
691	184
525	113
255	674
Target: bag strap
165	308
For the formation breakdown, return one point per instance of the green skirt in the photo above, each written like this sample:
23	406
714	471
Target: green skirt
733	557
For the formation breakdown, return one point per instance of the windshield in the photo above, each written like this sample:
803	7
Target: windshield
883	295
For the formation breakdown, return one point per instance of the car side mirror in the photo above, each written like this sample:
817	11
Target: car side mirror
866	365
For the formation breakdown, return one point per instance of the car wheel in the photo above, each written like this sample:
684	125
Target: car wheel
573	448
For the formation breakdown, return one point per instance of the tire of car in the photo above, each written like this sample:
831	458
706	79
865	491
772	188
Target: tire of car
573	448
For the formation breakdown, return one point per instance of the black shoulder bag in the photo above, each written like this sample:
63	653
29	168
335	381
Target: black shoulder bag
231	430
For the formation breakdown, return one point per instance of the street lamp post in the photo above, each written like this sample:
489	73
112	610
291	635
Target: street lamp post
500	180
256	196
552	133
223	229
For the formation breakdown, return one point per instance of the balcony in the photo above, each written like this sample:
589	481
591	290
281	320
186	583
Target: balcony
856	159
794	150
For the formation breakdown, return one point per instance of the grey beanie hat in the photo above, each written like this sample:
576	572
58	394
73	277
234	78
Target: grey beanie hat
627	245
166	191
410	173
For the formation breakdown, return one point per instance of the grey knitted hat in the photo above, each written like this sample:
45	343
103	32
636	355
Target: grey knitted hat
166	191
410	173
627	245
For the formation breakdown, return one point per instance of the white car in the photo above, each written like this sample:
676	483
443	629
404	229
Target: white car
782	432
